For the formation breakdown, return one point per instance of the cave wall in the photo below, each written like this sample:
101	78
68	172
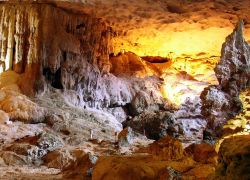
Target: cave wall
39	39
69	50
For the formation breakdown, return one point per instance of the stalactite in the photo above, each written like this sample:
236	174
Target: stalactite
37	36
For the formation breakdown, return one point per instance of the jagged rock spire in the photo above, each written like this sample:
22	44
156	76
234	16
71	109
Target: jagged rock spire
233	69
221	102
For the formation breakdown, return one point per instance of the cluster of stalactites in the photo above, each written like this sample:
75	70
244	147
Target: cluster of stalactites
19	37
42	33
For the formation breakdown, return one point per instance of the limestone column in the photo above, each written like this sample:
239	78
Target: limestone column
10	44
21	26
4	35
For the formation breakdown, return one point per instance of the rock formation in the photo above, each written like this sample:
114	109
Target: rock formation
79	91
185	124
221	102
240	124
20	108
32	41
78	63
126	137
233	69
233	160
156	124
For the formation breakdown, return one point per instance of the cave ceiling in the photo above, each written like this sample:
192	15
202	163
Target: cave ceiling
163	27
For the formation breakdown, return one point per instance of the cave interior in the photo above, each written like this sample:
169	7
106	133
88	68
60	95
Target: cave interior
118	90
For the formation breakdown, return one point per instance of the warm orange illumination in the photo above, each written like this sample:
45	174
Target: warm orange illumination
186	78
181	39
240	122
191	47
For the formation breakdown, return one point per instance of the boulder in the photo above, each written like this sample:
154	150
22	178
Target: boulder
125	137
203	153
32	149
189	118
129	64
155	124
62	159
127	167
217	106
31	154
185	124
167	148
234	158
142	101
20	107
80	168
49	141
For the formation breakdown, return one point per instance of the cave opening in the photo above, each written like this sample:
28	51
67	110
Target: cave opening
53	78
64	56
56	83
81	25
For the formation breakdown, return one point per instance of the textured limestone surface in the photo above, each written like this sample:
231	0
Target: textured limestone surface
233	160
39	39
221	102
149	27
232	70
52	47
81	93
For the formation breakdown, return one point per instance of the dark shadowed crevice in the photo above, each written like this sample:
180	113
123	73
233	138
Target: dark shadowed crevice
53	78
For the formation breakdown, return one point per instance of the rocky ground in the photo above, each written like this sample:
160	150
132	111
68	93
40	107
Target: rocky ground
47	138
51	139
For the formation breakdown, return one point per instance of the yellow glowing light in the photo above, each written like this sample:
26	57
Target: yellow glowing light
186	78
241	121
179	38
177	92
